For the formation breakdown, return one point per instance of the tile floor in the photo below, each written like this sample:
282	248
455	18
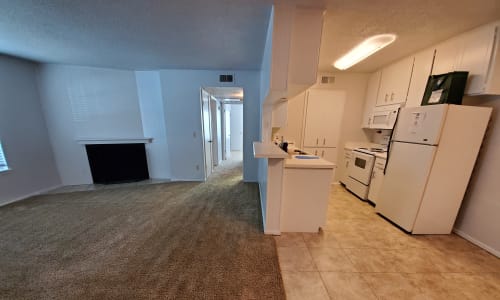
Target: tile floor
359	255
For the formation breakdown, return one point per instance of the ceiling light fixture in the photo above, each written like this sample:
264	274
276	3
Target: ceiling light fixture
363	50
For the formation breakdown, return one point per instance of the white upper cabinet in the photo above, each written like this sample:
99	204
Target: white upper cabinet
480	48
394	82
324	110
291	54
421	70
447	56
475	51
371	98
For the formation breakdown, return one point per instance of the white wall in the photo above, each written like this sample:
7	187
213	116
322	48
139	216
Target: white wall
265	116
23	133
84	102
181	98
236	127
153	123
478	218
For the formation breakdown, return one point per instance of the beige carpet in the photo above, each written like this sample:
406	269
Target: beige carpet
161	241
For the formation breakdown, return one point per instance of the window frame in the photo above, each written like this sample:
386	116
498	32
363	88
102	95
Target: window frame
2	155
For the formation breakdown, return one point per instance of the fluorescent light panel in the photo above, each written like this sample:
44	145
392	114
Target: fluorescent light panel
363	50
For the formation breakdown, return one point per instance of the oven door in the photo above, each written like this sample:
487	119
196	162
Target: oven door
361	167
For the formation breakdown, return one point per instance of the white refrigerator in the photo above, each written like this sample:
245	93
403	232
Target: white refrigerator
430	161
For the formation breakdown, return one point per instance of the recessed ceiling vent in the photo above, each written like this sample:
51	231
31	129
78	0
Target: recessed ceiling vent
226	78
327	79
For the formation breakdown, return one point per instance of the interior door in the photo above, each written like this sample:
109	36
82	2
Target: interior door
227	133
215	129
207	132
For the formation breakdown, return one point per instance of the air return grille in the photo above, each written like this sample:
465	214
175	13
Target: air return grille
226	78
327	79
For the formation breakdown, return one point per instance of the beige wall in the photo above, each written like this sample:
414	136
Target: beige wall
355	86
479	216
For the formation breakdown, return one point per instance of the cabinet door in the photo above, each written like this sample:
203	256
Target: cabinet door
447	56
376	184
421	70
371	98
394	82
344	165
328	154
476	53
312	151
324	110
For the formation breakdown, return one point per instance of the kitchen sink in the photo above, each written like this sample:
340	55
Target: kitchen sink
306	157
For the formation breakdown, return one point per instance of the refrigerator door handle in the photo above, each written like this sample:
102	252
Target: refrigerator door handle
388	157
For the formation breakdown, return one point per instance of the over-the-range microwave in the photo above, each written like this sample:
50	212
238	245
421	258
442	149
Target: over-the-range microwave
384	117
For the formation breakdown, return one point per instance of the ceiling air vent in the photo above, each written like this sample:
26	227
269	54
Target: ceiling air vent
226	78
327	79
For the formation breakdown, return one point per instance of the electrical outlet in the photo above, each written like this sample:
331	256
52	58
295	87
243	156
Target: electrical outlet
194	134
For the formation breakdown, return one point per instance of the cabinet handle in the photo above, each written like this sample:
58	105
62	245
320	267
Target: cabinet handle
323	153
315	152
324	140
392	96
347	164
369	120
317	141
386	95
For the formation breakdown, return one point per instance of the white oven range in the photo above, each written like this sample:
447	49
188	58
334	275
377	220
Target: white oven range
360	170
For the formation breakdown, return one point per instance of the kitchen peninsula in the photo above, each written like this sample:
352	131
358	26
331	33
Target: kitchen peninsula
295	196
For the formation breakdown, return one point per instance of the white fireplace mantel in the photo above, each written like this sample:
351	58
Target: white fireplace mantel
94	141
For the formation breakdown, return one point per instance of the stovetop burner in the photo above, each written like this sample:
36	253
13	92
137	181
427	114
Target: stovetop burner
373	149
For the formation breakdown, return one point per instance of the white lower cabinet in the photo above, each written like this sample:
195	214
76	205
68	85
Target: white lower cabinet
328	154
344	165
377	180
305	197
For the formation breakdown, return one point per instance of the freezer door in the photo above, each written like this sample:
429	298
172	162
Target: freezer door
421	125
404	183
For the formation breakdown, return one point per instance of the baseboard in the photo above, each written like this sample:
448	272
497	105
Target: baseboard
31	195
272	232
476	242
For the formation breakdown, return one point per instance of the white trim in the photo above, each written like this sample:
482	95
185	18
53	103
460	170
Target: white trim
476	242
272	232
94	141
39	192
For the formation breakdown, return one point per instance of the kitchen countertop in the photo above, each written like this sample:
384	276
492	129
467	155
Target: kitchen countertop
353	145
382	155
319	163
268	150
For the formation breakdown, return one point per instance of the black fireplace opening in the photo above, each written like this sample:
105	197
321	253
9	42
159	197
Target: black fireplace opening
117	163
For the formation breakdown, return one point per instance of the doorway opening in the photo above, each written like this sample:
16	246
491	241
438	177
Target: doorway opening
222	121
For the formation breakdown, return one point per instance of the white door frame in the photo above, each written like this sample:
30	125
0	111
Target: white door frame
207	150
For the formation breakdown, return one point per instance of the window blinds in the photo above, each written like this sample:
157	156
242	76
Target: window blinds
3	162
